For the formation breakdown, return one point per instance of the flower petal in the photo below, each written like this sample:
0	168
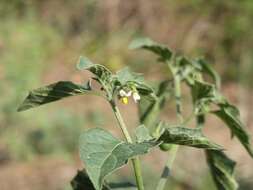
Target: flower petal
136	96
122	93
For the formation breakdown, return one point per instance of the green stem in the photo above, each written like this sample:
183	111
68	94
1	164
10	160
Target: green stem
178	97
166	171
135	161
173	151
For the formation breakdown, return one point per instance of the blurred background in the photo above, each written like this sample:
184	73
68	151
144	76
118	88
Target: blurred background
40	43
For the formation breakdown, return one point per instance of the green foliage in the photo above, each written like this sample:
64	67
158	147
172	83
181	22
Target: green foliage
204	96
150	45
112	83
230	115
142	134
51	93
102	153
150	110
103	75
187	137
222	169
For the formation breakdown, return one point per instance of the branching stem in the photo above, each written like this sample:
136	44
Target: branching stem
135	161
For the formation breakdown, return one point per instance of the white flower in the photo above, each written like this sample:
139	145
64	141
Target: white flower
123	93
124	96
136	97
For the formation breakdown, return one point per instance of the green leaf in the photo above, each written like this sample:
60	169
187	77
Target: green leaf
125	76
230	115
146	43
102	74
203	90
142	134
222	170
205	94
149	110
99	70
102	153
187	137
82	182
110	82
207	68
51	93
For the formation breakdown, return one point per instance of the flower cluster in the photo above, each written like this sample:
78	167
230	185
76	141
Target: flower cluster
124	95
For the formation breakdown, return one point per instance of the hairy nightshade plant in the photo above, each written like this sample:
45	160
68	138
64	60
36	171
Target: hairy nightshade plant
102	153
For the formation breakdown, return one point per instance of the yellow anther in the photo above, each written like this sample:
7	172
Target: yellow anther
124	100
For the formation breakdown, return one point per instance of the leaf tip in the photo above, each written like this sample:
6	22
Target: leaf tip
140	43
83	63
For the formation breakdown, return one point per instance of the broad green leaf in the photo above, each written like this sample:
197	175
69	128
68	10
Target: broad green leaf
146	43
82	182
103	75
51	93
102	153
149	110
230	115
222	170
187	137
142	134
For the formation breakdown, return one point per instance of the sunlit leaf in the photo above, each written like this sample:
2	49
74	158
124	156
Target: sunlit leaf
145	43
187	137
222	170
102	153
142	134
230	115
51	93
102	74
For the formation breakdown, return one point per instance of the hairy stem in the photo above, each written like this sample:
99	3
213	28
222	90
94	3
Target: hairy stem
135	161
178	97
166	170
173	151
